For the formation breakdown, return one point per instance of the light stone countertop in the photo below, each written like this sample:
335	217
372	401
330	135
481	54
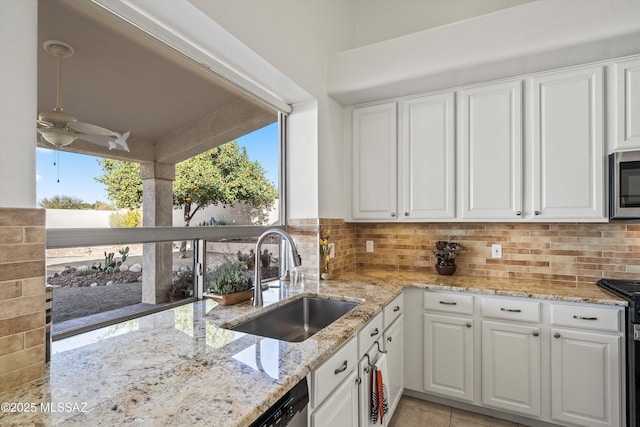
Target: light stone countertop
181	367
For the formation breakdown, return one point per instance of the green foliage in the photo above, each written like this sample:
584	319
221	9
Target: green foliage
129	219
64	202
229	277
110	263
182	280
221	175
124	185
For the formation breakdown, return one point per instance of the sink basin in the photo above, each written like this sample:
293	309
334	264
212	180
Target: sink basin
297	320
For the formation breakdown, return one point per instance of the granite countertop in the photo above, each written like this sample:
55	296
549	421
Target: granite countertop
182	367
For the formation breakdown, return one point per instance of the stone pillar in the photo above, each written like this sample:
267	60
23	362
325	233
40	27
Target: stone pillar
157	210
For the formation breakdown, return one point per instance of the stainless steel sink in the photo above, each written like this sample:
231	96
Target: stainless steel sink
296	321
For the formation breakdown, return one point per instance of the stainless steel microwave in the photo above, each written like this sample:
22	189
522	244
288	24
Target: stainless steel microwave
624	185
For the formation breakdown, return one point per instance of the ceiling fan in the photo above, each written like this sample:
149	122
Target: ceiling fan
61	129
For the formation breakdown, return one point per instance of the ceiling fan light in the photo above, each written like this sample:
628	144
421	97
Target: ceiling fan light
58	137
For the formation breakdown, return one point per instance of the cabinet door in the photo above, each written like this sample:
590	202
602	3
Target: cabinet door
427	150
341	407
568	153
585	378
448	356
374	162
393	338
627	104
491	150
511	367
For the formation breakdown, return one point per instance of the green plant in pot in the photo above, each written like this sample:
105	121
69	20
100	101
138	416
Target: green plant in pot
230	282
181	284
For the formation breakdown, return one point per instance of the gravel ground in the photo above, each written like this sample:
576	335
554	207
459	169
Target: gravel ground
70	303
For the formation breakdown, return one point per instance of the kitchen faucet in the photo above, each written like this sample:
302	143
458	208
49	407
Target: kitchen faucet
297	261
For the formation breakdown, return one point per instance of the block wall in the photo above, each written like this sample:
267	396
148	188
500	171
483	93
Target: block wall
22	296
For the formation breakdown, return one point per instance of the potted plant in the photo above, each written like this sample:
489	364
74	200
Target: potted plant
229	283
180	285
446	252
265	258
249	259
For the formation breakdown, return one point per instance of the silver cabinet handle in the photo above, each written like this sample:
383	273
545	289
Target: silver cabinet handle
536	333
536	213
406	214
556	335
375	332
584	318
393	214
448	303
341	369
511	310
396	308
468	325
519	213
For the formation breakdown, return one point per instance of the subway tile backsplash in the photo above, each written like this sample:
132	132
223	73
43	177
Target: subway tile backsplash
549	251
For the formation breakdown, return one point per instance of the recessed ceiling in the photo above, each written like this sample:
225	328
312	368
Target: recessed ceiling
124	80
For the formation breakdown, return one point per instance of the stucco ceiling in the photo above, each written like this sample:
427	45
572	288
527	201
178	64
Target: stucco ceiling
124	80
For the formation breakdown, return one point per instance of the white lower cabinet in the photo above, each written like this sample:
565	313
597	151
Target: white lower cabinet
448	356
340	408
511	367
339	389
394	345
585	378
552	362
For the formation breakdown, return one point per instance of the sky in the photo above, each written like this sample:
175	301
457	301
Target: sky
76	172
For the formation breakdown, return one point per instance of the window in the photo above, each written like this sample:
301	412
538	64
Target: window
100	266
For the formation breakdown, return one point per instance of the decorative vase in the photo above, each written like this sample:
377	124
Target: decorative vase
446	267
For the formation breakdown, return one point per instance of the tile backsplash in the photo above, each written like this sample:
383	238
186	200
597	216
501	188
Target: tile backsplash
549	251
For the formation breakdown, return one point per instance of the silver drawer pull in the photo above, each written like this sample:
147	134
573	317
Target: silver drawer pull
536	333
396	308
584	318
448	303
341	369
511	310
556	335
375	332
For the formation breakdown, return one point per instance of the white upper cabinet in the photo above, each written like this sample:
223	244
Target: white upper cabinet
374	162
568	149
427	150
491	151
627	104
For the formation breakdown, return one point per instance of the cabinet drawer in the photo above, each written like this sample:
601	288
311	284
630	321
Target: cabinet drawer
393	310
521	311
576	316
328	376
367	335
448	302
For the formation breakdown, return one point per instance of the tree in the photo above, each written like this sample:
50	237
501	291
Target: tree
224	174
64	202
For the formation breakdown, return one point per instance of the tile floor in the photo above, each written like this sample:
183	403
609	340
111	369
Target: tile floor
413	412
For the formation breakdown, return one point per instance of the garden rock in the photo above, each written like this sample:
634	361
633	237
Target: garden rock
136	268
124	267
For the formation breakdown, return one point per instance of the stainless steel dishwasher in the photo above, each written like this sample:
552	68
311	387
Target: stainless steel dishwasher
290	410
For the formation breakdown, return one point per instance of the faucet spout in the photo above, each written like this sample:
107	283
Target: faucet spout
297	261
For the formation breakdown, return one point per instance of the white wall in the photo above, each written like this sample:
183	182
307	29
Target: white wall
378	20
296	37
18	94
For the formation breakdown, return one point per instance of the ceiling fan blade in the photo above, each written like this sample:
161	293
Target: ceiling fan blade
103	140
44	124
91	129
